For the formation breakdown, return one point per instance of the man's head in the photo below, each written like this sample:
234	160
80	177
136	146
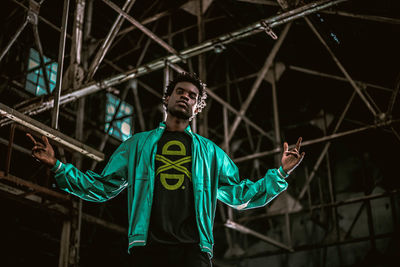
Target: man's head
185	96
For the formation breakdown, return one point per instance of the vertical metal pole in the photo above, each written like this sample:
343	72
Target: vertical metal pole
288	231
277	129
64	244
166	82
330	184
203	118
370	224
226	140
134	86
76	77
61	50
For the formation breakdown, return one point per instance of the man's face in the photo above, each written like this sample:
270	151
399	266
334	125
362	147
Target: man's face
182	103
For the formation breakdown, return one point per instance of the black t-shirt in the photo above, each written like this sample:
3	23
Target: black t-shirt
173	218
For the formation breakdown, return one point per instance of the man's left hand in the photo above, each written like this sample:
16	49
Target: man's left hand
291	158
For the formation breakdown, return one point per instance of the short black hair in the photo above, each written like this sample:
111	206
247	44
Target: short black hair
193	79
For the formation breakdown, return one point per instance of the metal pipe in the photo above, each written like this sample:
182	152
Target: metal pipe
353	84
61	51
334	12
157	64
108	40
260	77
143	28
50	133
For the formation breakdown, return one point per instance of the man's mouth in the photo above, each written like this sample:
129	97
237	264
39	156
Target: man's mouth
182	103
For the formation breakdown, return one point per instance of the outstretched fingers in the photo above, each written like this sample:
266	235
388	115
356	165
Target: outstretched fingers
45	140
32	139
298	144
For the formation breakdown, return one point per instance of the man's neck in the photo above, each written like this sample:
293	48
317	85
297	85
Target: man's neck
175	124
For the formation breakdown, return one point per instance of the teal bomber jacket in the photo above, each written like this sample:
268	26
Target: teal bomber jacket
131	166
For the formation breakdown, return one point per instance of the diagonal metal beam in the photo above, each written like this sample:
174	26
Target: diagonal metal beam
50	133
60	65
243	229
260	77
142	28
393	97
334	12
346	74
157	64
318	140
108	40
338	78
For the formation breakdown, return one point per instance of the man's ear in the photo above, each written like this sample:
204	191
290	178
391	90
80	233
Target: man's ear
166	100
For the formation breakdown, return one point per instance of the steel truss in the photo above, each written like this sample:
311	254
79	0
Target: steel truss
78	91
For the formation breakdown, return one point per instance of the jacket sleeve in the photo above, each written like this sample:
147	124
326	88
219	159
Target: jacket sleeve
90	185
246	194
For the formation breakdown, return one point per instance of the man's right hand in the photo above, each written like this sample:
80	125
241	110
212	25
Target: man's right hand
43	152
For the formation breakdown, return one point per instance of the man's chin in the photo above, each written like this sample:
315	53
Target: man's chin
180	114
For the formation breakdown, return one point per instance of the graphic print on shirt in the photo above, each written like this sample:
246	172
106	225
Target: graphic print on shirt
173	157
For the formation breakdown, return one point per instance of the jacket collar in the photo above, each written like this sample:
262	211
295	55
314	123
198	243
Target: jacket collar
188	130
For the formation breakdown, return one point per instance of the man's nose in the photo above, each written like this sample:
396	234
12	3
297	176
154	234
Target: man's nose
185	96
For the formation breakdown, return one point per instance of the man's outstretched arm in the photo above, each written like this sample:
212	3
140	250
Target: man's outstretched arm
89	185
246	194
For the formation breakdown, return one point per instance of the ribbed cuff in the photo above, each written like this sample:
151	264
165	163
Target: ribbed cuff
56	166
282	173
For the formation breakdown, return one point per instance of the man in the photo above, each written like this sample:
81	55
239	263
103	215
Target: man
174	178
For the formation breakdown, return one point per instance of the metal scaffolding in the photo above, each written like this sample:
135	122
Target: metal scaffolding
77	81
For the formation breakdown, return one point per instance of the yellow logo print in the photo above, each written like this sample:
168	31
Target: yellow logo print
176	165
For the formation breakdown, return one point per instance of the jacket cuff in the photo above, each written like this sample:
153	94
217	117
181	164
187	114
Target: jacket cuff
282	173
56	166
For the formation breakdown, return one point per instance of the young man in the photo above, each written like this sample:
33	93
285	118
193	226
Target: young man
174	178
